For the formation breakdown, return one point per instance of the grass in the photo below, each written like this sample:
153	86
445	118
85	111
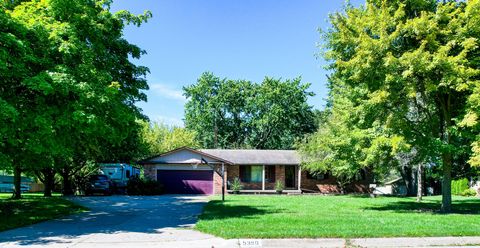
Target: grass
337	216
33	208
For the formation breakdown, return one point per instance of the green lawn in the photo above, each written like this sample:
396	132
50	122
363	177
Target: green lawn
33	208
248	216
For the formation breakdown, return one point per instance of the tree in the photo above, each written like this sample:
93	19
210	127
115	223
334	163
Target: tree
414	64
343	147
159	138
83	97
24	125
240	114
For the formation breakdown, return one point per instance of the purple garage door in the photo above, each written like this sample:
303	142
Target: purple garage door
186	181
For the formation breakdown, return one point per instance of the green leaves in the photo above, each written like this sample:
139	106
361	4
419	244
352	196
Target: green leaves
404	80
67	85
242	114
159	138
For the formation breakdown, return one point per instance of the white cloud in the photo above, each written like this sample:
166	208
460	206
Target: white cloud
165	91
172	121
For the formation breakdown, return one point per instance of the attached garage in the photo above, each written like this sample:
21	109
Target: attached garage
186	181
186	171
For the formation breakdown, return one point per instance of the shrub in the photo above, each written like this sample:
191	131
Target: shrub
278	186
469	192
236	185
141	186
459	186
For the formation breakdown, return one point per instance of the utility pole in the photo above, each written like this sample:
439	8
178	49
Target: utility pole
223	182
215	130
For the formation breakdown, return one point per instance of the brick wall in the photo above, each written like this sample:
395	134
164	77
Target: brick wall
280	174
217	179
329	185
233	172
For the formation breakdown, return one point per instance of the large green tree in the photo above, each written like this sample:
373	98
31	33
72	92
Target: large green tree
228	113
24	123
80	104
344	147
411	65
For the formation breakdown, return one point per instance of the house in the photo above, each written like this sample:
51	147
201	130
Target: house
190	171
6	183
392	187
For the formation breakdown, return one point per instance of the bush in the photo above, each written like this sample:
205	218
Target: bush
141	186
236	185
459	186
469	192
279	186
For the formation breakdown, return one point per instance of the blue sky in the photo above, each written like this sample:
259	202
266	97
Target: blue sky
237	39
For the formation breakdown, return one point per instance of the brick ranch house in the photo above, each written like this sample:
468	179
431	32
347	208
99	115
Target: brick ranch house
190	171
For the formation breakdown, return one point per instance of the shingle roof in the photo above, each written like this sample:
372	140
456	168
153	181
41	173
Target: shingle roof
274	157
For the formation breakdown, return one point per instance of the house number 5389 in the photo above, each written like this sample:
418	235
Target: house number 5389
250	243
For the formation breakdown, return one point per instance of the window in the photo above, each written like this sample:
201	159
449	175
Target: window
317	176
270	173
251	173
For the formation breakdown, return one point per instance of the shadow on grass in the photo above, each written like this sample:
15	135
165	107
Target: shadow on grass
29	210
458	207
218	210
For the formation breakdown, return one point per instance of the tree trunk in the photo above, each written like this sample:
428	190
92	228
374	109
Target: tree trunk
446	155
17	182
67	183
49	176
447	183
407	174
419	182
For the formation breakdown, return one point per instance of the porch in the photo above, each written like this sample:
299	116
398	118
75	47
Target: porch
262	178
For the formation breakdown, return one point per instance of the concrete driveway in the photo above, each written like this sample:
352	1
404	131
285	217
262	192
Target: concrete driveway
119	221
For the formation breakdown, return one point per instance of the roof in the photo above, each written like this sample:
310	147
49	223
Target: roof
393	181
184	148
251	156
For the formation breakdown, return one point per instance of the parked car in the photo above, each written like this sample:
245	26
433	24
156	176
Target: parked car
99	184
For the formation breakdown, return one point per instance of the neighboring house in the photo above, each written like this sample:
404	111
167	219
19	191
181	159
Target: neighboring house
185	171
393	187
6	183
475	185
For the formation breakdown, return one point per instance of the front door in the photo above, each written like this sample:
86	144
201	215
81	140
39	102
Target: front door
289	176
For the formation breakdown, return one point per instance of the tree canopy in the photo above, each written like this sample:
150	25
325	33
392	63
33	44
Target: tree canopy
227	113
409	69
70	87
